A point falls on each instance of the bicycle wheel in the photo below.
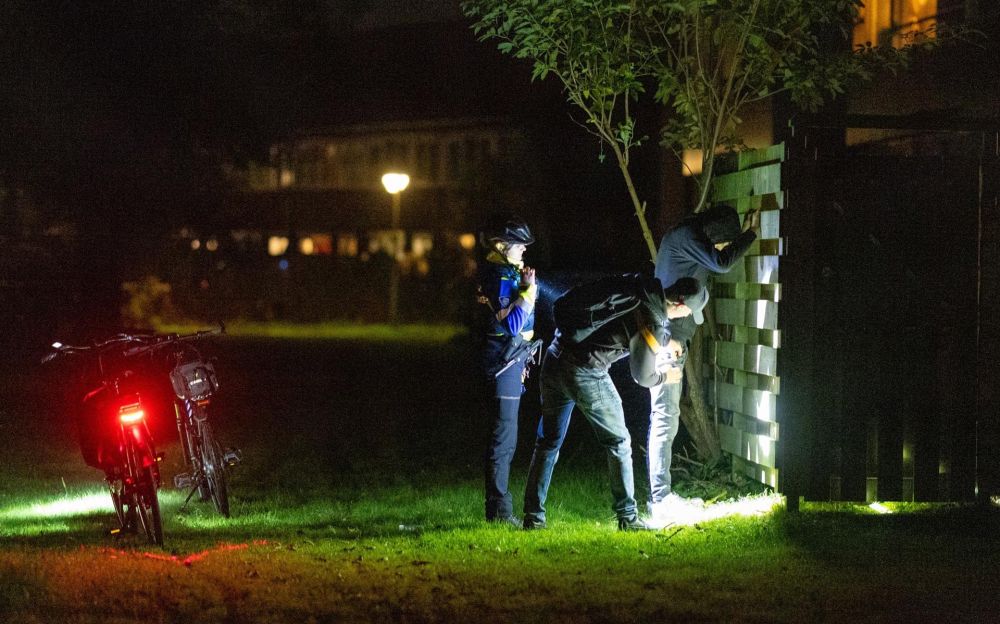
(140, 494)
(214, 468)
(147, 506)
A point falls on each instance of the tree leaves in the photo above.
(707, 58)
(588, 45)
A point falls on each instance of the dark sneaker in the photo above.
(507, 521)
(533, 524)
(632, 524)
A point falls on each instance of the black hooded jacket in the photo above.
(640, 333)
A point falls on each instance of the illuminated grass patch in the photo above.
(745, 506)
(376, 332)
(59, 507)
(35, 514)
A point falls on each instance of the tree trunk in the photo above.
(640, 207)
(697, 417)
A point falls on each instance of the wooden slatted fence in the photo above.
(744, 386)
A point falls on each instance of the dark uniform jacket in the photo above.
(507, 311)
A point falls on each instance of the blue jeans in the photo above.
(505, 400)
(664, 419)
(565, 385)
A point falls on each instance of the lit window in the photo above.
(212, 244)
(467, 241)
(244, 238)
(915, 11)
(277, 245)
(316, 244)
(421, 244)
(893, 21)
(692, 162)
(347, 245)
(195, 244)
(287, 178)
(391, 242)
(322, 244)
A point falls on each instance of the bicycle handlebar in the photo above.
(165, 339)
(150, 341)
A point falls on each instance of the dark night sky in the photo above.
(131, 110)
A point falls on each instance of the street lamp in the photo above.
(395, 184)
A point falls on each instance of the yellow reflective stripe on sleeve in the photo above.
(650, 340)
(647, 335)
(530, 293)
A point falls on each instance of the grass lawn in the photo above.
(417, 551)
(360, 500)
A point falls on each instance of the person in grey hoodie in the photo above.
(705, 243)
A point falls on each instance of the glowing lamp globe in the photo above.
(395, 182)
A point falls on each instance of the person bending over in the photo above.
(597, 325)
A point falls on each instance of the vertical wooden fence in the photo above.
(848, 355)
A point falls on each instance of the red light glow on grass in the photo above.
(188, 560)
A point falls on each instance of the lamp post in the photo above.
(395, 184)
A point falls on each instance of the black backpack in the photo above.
(586, 308)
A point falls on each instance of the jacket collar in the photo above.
(498, 258)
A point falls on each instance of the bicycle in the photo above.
(128, 454)
(194, 383)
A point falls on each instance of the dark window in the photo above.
(454, 166)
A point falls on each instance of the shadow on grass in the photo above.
(847, 536)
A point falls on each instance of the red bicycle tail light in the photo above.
(131, 414)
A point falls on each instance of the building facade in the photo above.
(318, 222)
